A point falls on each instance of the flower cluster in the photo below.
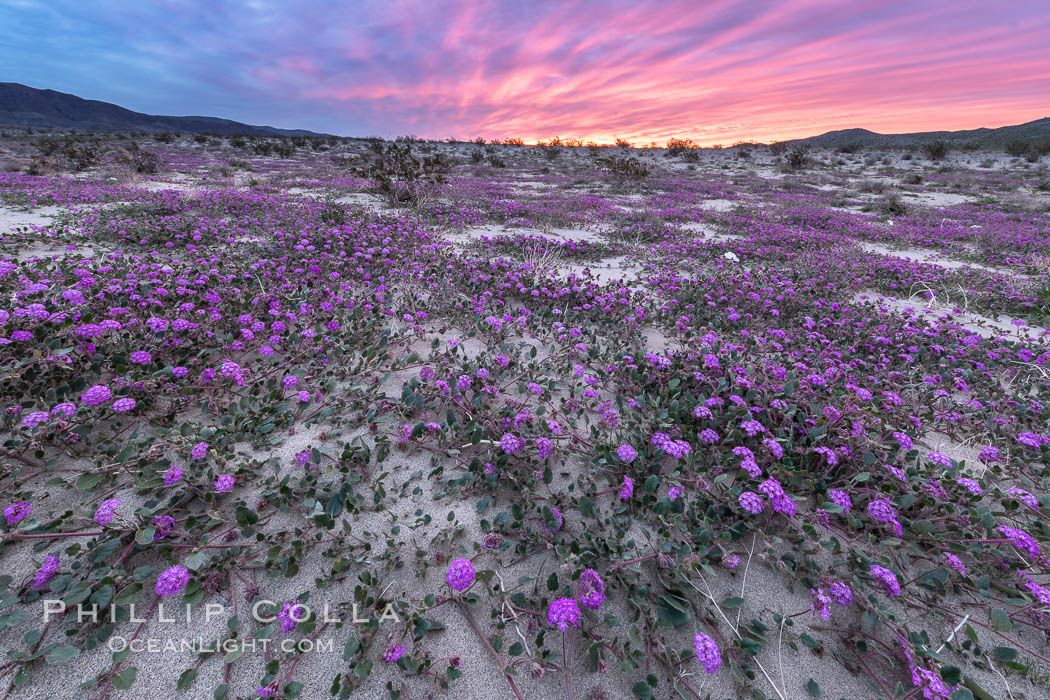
(460, 575)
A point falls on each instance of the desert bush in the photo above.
(284, 148)
(375, 144)
(676, 147)
(935, 150)
(892, 206)
(912, 179)
(81, 156)
(402, 177)
(262, 148)
(777, 148)
(477, 156)
(872, 186)
(798, 158)
(623, 170)
(623, 143)
(144, 162)
(497, 162)
(165, 137)
(1016, 148)
(850, 148)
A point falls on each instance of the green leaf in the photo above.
(128, 594)
(60, 655)
(1004, 654)
(246, 516)
(194, 561)
(750, 647)
(125, 679)
(145, 535)
(221, 692)
(234, 654)
(813, 688)
(673, 610)
(1000, 620)
(732, 603)
(86, 482)
(186, 679)
(363, 669)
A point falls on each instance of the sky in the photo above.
(715, 71)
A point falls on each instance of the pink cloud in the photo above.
(715, 71)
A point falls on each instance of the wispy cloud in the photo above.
(594, 69)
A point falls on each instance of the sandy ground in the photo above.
(789, 669)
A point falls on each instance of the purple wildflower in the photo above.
(460, 574)
(172, 581)
(707, 653)
(393, 653)
(955, 563)
(627, 489)
(162, 525)
(888, 580)
(841, 499)
(292, 613)
(106, 509)
(751, 502)
(17, 512)
(591, 589)
(564, 612)
(96, 395)
(1022, 540)
(558, 521)
(820, 603)
(45, 573)
(1024, 497)
(841, 593)
(123, 405)
(940, 459)
(511, 444)
(626, 453)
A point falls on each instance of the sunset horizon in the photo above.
(717, 74)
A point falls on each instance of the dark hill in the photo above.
(23, 106)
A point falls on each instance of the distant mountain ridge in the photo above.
(23, 106)
(1038, 130)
